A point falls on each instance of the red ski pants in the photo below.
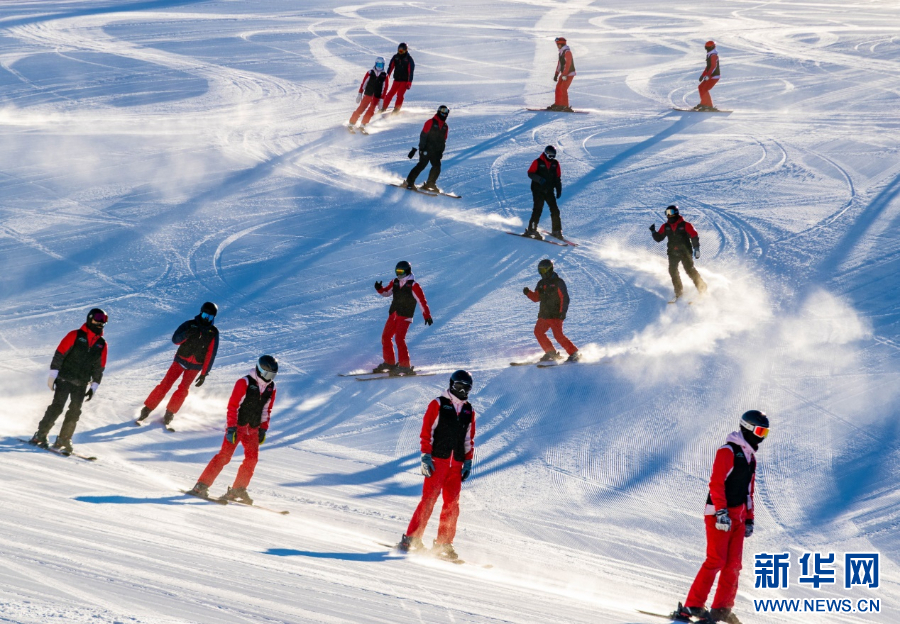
(556, 326)
(705, 86)
(562, 90)
(446, 481)
(369, 102)
(249, 437)
(398, 88)
(395, 328)
(724, 550)
(159, 392)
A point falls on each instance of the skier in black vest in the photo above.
(79, 360)
(402, 66)
(729, 519)
(198, 343)
(546, 178)
(448, 446)
(249, 411)
(371, 90)
(432, 141)
(682, 246)
(406, 293)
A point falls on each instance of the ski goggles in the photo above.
(400, 272)
(100, 319)
(443, 112)
(544, 270)
(379, 66)
(759, 432)
(206, 316)
(461, 386)
(265, 374)
(671, 212)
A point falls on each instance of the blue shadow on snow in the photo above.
(372, 557)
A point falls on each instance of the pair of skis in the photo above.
(169, 428)
(559, 242)
(424, 552)
(374, 376)
(223, 501)
(57, 451)
(424, 191)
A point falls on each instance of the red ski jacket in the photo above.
(80, 356)
(406, 293)
(449, 428)
(733, 480)
(565, 66)
(251, 402)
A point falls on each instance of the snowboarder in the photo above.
(448, 445)
(401, 68)
(552, 294)
(432, 141)
(708, 78)
(545, 177)
(198, 342)
(682, 246)
(729, 519)
(371, 91)
(249, 411)
(406, 293)
(79, 361)
(565, 72)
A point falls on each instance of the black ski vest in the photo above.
(551, 174)
(677, 239)
(403, 65)
(435, 140)
(561, 64)
(198, 342)
(82, 362)
(404, 303)
(375, 84)
(554, 297)
(449, 436)
(251, 410)
(737, 485)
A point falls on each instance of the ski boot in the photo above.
(402, 371)
(384, 367)
(566, 109)
(200, 490)
(430, 186)
(408, 543)
(396, 110)
(168, 418)
(238, 495)
(444, 551)
(551, 356)
(684, 614)
(362, 129)
(409, 186)
(39, 439)
(554, 107)
(575, 357)
(145, 412)
(722, 615)
(532, 232)
(63, 445)
(557, 234)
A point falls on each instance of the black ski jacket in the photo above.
(198, 343)
(553, 295)
(433, 138)
(403, 67)
(681, 235)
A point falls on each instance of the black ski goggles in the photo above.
(100, 319)
(443, 112)
(462, 387)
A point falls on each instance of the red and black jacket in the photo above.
(403, 67)
(712, 65)
(447, 432)
(80, 357)
(553, 295)
(251, 403)
(548, 171)
(433, 138)
(198, 343)
(374, 84)
(733, 480)
(681, 235)
(406, 293)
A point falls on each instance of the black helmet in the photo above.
(97, 317)
(208, 312)
(403, 268)
(545, 266)
(756, 423)
(550, 152)
(442, 112)
(460, 384)
(672, 211)
(266, 367)
(402, 46)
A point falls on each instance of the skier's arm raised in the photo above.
(658, 235)
(532, 294)
(385, 291)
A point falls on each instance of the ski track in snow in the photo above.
(161, 153)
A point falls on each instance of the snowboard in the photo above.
(565, 240)
(556, 242)
(419, 189)
(693, 110)
(58, 451)
(544, 110)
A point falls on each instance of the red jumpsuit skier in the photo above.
(406, 293)
(563, 76)
(249, 411)
(198, 343)
(448, 445)
(729, 519)
(552, 294)
(708, 78)
(401, 67)
(371, 90)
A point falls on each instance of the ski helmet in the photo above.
(402, 47)
(443, 112)
(710, 45)
(756, 423)
(267, 367)
(672, 211)
(460, 384)
(379, 63)
(403, 269)
(545, 266)
(208, 311)
(97, 317)
(550, 152)
(561, 40)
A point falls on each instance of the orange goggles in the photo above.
(760, 432)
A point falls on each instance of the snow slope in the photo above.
(159, 153)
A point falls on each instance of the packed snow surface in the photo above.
(160, 153)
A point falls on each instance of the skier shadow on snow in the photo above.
(113, 431)
(383, 474)
(494, 141)
(371, 557)
(131, 500)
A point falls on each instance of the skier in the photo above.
(371, 91)
(198, 342)
(553, 296)
(432, 141)
(249, 411)
(729, 519)
(565, 72)
(545, 177)
(79, 360)
(406, 293)
(683, 245)
(401, 67)
(448, 445)
(708, 78)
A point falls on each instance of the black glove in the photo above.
(748, 528)
(429, 321)
(526, 290)
(466, 469)
(231, 435)
(412, 152)
(89, 395)
(200, 381)
(555, 77)
(262, 435)
(653, 228)
(427, 465)
(723, 522)
(558, 193)
(697, 253)
(378, 286)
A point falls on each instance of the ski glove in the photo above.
(723, 522)
(200, 381)
(358, 98)
(90, 393)
(558, 193)
(51, 380)
(653, 228)
(429, 321)
(412, 152)
(555, 77)
(262, 435)
(466, 469)
(427, 465)
(526, 290)
(378, 286)
(563, 78)
(748, 528)
(696, 253)
(231, 435)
